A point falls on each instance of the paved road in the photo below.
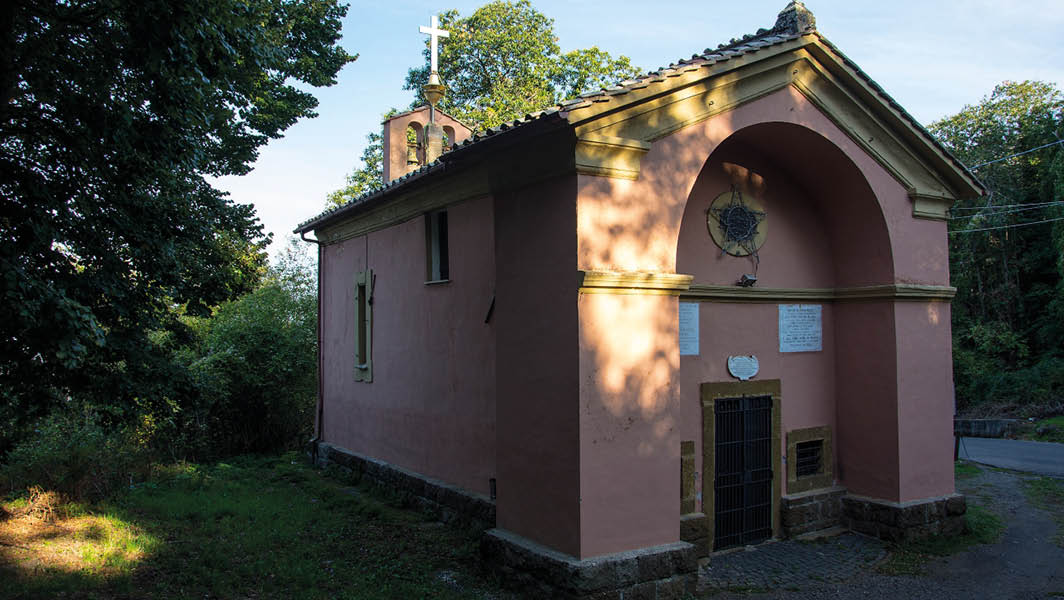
(1043, 458)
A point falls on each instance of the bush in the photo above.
(256, 371)
(72, 454)
(1035, 391)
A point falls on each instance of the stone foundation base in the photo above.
(448, 501)
(659, 573)
(811, 511)
(900, 521)
(694, 529)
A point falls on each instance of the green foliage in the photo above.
(253, 368)
(112, 115)
(499, 64)
(71, 453)
(503, 62)
(1007, 249)
(368, 177)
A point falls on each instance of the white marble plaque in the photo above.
(801, 328)
(688, 329)
(743, 367)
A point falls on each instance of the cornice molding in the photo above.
(928, 206)
(609, 156)
(632, 282)
(898, 292)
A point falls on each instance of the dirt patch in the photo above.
(30, 543)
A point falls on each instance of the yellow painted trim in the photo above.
(890, 292)
(826, 477)
(710, 393)
(609, 156)
(614, 282)
(927, 206)
(364, 304)
(817, 73)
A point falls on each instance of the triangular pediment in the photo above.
(615, 130)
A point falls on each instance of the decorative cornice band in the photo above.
(898, 292)
(928, 206)
(632, 282)
(609, 156)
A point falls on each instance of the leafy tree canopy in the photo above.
(112, 113)
(499, 64)
(1007, 248)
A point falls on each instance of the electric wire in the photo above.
(995, 228)
(997, 160)
(1009, 211)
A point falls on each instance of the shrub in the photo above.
(72, 454)
(256, 370)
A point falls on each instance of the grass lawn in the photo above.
(251, 527)
(982, 527)
(1055, 433)
(1047, 493)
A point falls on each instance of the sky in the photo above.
(932, 56)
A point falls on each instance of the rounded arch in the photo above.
(415, 145)
(823, 222)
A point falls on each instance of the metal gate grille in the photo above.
(743, 471)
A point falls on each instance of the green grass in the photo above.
(1048, 494)
(1055, 435)
(256, 528)
(965, 470)
(910, 558)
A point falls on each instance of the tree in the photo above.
(112, 113)
(1007, 249)
(499, 64)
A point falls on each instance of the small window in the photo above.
(363, 325)
(436, 244)
(809, 458)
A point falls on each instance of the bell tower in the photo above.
(418, 137)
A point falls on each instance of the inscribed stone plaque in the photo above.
(801, 328)
(743, 367)
(688, 328)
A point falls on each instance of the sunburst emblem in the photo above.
(733, 224)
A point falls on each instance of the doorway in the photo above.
(741, 461)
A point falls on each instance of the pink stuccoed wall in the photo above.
(431, 405)
(577, 402)
(629, 422)
(925, 399)
(538, 382)
(837, 219)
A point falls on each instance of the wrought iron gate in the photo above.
(743, 471)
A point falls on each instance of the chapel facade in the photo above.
(703, 308)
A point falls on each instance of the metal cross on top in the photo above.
(435, 33)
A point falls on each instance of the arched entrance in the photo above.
(820, 229)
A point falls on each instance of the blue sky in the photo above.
(933, 57)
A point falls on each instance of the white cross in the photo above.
(434, 33)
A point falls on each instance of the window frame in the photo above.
(363, 326)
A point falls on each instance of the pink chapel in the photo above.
(700, 309)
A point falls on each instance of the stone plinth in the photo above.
(663, 572)
(811, 511)
(900, 521)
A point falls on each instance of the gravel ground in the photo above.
(1023, 564)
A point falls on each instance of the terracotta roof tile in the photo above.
(794, 22)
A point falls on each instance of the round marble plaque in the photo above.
(743, 367)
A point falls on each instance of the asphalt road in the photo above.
(1043, 458)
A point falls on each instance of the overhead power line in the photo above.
(997, 211)
(1006, 226)
(997, 160)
